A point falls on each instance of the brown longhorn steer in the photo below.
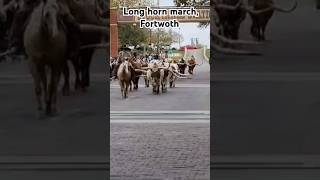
(191, 65)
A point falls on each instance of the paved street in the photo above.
(160, 151)
(268, 106)
(189, 94)
(162, 137)
(77, 134)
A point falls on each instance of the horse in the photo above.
(124, 75)
(45, 44)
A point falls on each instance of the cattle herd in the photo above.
(228, 16)
(45, 43)
(128, 69)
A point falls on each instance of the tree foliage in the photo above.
(130, 3)
(186, 3)
(132, 35)
(164, 37)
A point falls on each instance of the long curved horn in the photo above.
(224, 40)
(89, 46)
(295, 5)
(180, 77)
(140, 70)
(11, 4)
(145, 68)
(234, 51)
(235, 42)
(163, 67)
(252, 11)
(228, 7)
(273, 7)
(180, 73)
(93, 28)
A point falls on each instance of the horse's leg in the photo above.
(66, 85)
(126, 88)
(130, 84)
(121, 88)
(34, 68)
(44, 83)
(51, 108)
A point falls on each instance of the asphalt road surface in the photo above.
(163, 136)
(267, 107)
(189, 94)
(78, 134)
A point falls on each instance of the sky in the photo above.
(189, 30)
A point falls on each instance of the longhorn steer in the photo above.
(230, 16)
(182, 65)
(172, 76)
(135, 73)
(260, 13)
(164, 74)
(191, 65)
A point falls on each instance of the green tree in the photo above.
(192, 2)
(132, 35)
(164, 37)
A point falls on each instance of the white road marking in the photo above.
(267, 76)
(160, 116)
